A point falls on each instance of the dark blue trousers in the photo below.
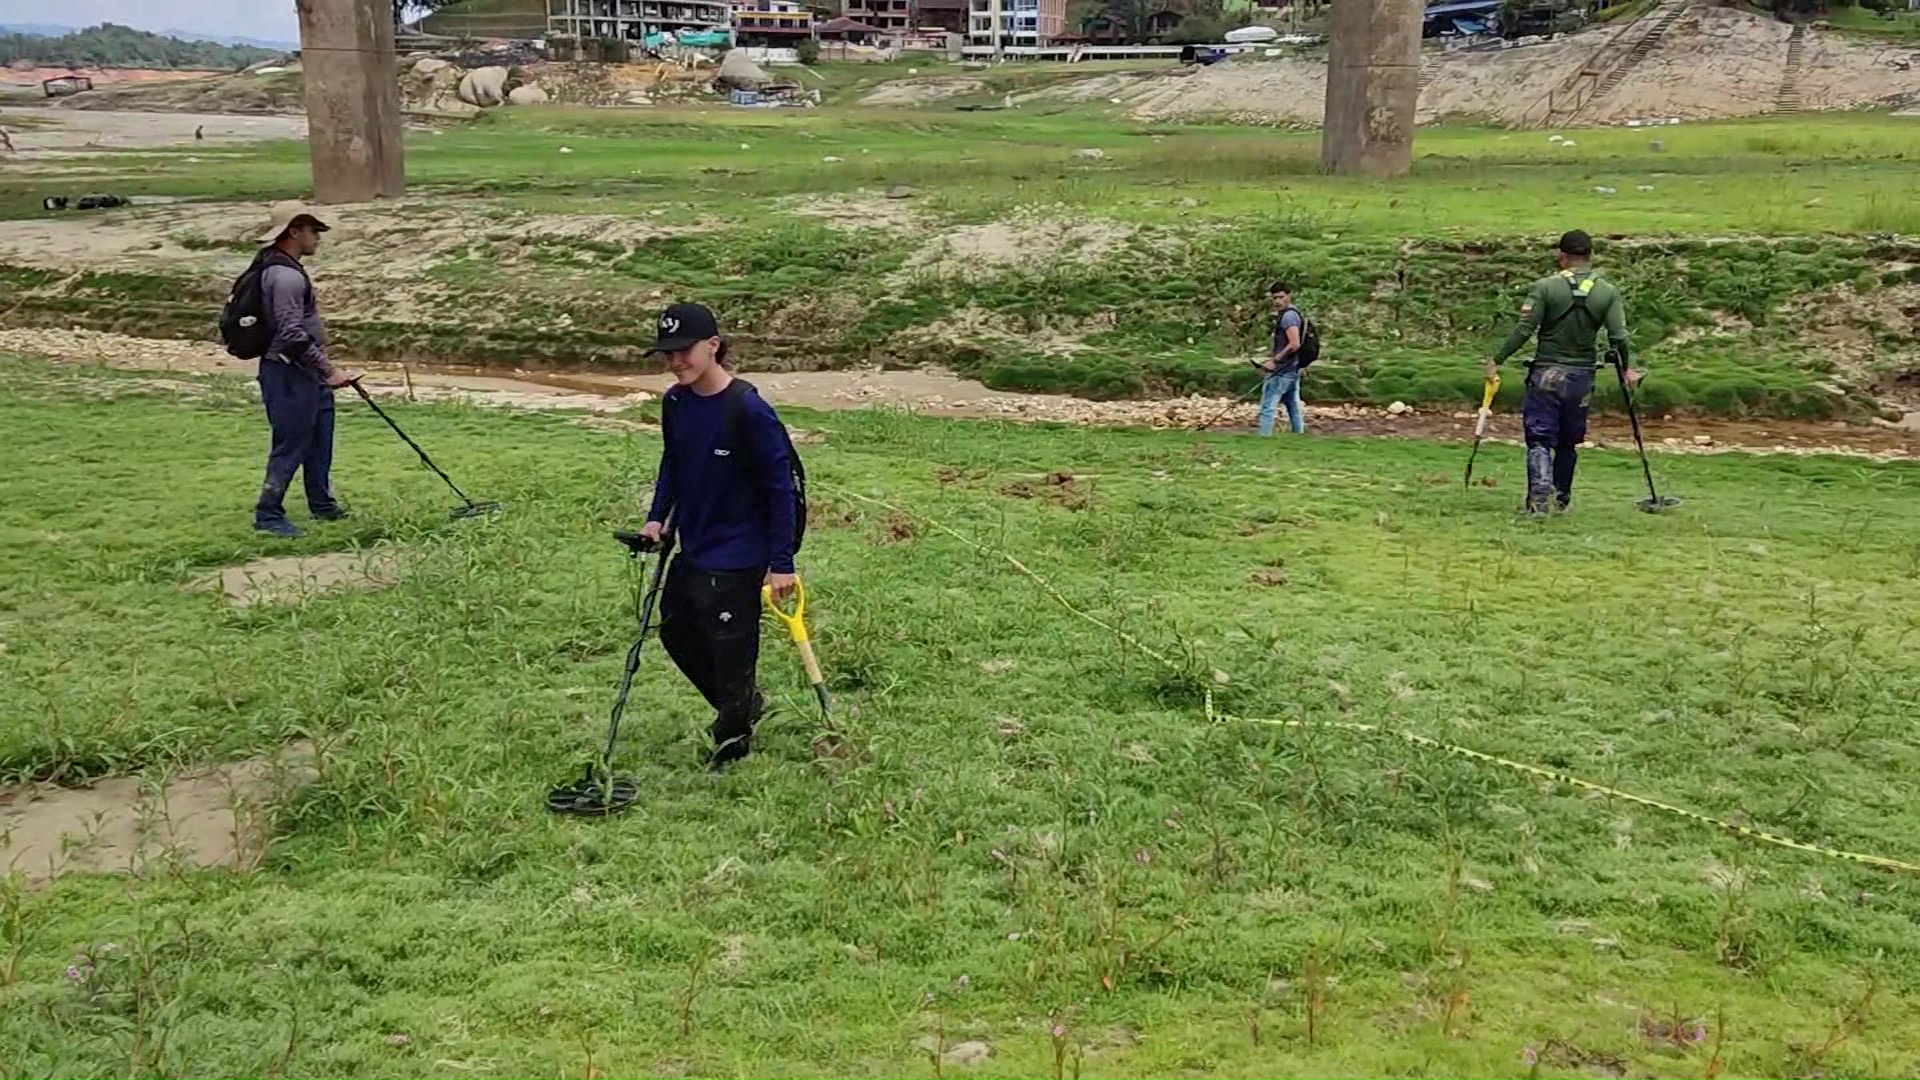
(300, 414)
(1554, 414)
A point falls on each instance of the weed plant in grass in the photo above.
(1028, 835)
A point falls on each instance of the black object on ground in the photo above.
(600, 791)
(471, 509)
(56, 203)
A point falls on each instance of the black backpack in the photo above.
(246, 327)
(736, 394)
(1309, 349)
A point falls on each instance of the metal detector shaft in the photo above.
(382, 413)
(1633, 418)
(1235, 403)
(663, 549)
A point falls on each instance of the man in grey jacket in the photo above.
(296, 378)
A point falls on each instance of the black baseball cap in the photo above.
(1576, 243)
(682, 326)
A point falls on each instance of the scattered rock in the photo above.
(1399, 408)
(901, 191)
(831, 160)
(1269, 576)
(1703, 440)
(429, 66)
(1603, 190)
(527, 95)
(1091, 154)
(484, 87)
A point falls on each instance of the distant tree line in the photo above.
(110, 45)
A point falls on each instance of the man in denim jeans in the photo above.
(1283, 371)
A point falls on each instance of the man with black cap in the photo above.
(296, 378)
(726, 480)
(1567, 310)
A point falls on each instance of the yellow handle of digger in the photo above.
(796, 624)
(1486, 410)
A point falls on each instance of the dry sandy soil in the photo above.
(1713, 62)
(216, 816)
(75, 129)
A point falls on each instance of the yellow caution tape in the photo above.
(1409, 737)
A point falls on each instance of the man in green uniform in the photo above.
(1567, 310)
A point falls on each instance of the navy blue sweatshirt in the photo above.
(732, 506)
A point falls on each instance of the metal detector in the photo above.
(1655, 502)
(600, 792)
(1235, 403)
(471, 509)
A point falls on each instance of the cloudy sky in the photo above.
(267, 19)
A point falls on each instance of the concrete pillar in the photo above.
(353, 99)
(1373, 87)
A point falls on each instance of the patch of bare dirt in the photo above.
(858, 213)
(910, 92)
(216, 816)
(1873, 338)
(978, 326)
(77, 129)
(972, 250)
(291, 579)
(373, 258)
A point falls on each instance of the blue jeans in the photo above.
(1282, 386)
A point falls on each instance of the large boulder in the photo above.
(484, 87)
(739, 72)
(527, 95)
(429, 66)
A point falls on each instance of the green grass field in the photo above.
(1148, 263)
(1031, 836)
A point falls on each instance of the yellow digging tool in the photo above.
(796, 624)
(1480, 425)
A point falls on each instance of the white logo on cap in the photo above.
(668, 324)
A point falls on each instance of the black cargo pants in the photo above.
(710, 625)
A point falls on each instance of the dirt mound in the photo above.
(1713, 62)
(214, 816)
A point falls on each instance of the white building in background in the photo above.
(1023, 23)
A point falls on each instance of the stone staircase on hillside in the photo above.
(1787, 98)
(1605, 67)
(1642, 49)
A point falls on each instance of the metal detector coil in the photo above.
(471, 509)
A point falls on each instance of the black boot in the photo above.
(733, 731)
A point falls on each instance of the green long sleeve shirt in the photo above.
(1568, 310)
